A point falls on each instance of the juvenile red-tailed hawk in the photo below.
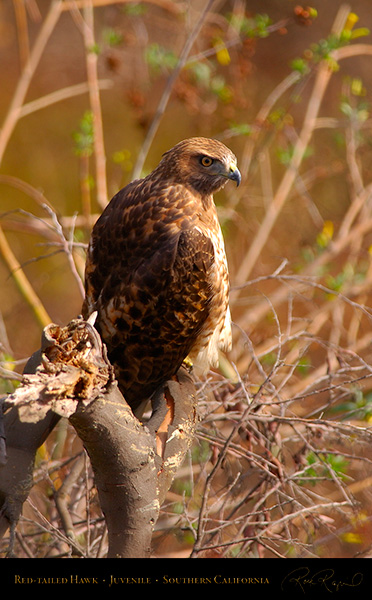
(156, 270)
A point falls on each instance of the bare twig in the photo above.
(15, 108)
(322, 79)
(67, 246)
(22, 282)
(168, 90)
(95, 103)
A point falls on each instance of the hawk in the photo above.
(156, 270)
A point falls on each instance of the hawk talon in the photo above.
(187, 363)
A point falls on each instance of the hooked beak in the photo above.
(234, 174)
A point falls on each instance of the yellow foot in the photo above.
(188, 363)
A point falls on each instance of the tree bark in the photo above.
(134, 463)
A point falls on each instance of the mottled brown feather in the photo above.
(156, 270)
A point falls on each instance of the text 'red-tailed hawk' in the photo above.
(156, 269)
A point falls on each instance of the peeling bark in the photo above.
(134, 463)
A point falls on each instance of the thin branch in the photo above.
(322, 79)
(22, 30)
(15, 108)
(22, 283)
(67, 247)
(60, 95)
(168, 90)
(95, 103)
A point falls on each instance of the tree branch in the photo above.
(134, 463)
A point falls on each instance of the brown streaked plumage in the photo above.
(156, 269)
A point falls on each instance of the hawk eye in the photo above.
(206, 161)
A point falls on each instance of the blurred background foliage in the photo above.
(287, 88)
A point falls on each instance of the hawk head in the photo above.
(202, 163)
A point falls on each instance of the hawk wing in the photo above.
(149, 274)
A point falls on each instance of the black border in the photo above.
(303, 577)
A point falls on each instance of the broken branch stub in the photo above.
(73, 368)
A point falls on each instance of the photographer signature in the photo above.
(304, 580)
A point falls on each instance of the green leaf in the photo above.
(159, 58)
(84, 137)
(112, 37)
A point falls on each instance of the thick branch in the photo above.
(125, 464)
(22, 442)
